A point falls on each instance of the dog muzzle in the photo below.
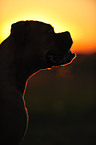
(63, 55)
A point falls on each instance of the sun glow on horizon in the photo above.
(77, 17)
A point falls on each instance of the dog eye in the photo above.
(50, 31)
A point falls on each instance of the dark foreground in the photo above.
(62, 105)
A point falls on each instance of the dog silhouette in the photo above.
(30, 47)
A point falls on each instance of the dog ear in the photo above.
(18, 32)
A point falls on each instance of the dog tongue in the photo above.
(68, 57)
(58, 60)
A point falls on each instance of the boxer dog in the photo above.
(30, 47)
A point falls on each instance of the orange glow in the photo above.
(76, 16)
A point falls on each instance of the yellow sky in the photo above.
(76, 16)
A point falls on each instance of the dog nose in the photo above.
(66, 33)
(64, 36)
(67, 37)
(64, 41)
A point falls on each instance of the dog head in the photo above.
(39, 46)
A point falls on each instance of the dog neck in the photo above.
(8, 90)
(12, 77)
(8, 80)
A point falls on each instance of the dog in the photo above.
(30, 47)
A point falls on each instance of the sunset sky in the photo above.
(76, 16)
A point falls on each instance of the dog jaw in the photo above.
(54, 60)
(62, 54)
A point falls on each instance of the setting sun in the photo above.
(77, 17)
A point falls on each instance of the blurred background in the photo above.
(62, 101)
(62, 104)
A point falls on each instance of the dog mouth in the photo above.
(55, 60)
